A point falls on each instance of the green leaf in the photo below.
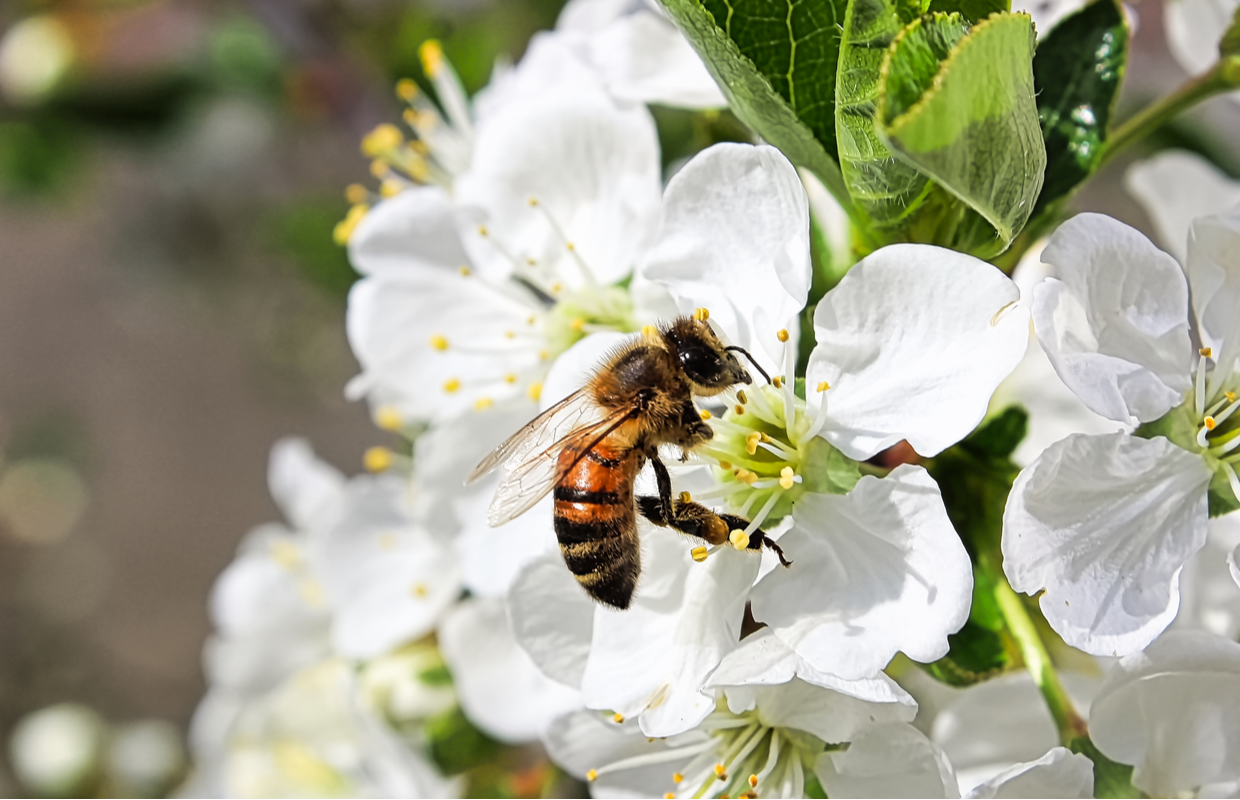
(1111, 778)
(1229, 45)
(972, 10)
(974, 126)
(775, 62)
(887, 191)
(976, 653)
(1077, 71)
(1000, 436)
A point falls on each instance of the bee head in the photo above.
(708, 365)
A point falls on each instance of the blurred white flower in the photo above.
(35, 53)
(1059, 773)
(638, 53)
(1173, 711)
(1193, 31)
(58, 751)
(1176, 187)
(1105, 523)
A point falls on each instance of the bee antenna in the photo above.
(756, 366)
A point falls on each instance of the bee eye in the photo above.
(702, 366)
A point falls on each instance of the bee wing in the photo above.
(528, 481)
(540, 433)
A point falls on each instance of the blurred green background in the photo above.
(171, 301)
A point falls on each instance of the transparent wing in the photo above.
(528, 481)
(573, 412)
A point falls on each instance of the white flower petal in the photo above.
(1059, 773)
(875, 572)
(1233, 564)
(492, 558)
(653, 659)
(500, 688)
(387, 579)
(1104, 524)
(1214, 278)
(306, 489)
(830, 714)
(735, 240)
(1173, 711)
(592, 170)
(258, 591)
(414, 229)
(1208, 597)
(577, 364)
(552, 618)
(893, 760)
(589, 740)
(1114, 320)
(913, 342)
(1193, 31)
(1175, 187)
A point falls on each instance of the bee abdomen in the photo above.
(606, 568)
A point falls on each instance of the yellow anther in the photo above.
(751, 442)
(1209, 421)
(431, 54)
(531, 261)
(777, 382)
(725, 465)
(531, 319)
(465, 271)
(388, 418)
(410, 117)
(533, 202)
(701, 314)
(740, 395)
(543, 355)
(344, 229)
(699, 553)
(406, 89)
(439, 342)
(535, 391)
(1231, 396)
(483, 403)
(677, 777)
(669, 796)
(452, 385)
(391, 187)
(285, 553)
(787, 478)
(510, 334)
(753, 781)
(721, 772)
(685, 497)
(592, 775)
(556, 288)
(649, 331)
(510, 378)
(380, 169)
(618, 718)
(783, 335)
(738, 539)
(355, 193)
(1205, 351)
(418, 146)
(420, 590)
(738, 409)
(745, 476)
(577, 324)
(823, 386)
(705, 414)
(387, 542)
(383, 139)
(482, 230)
(377, 459)
(569, 246)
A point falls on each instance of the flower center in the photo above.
(740, 756)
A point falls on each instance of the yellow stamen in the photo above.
(720, 772)
(570, 246)
(482, 230)
(1209, 421)
(285, 553)
(377, 459)
(669, 796)
(739, 409)
(439, 342)
(677, 777)
(483, 403)
(777, 382)
(535, 391)
(556, 288)
(701, 314)
(725, 465)
(699, 553)
(355, 193)
(745, 476)
(618, 718)
(685, 497)
(383, 139)
(510, 334)
(751, 442)
(753, 781)
(705, 414)
(387, 542)
(388, 418)
(510, 378)
(787, 478)
(379, 169)
(577, 324)
(740, 395)
(738, 539)
(1231, 396)
(410, 117)
(391, 187)
(531, 261)
(823, 386)
(406, 89)
(344, 229)
(543, 355)
(592, 775)
(533, 202)
(783, 335)
(431, 54)
(531, 319)
(1205, 351)
(420, 590)
(452, 385)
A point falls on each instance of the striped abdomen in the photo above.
(596, 522)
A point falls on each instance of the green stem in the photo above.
(1068, 722)
(1146, 121)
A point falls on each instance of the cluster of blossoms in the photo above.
(518, 237)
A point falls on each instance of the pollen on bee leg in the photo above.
(377, 459)
(787, 477)
(685, 497)
(739, 540)
(699, 553)
(439, 342)
(701, 314)
(618, 718)
(783, 335)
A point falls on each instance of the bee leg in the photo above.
(665, 488)
(689, 518)
(758, 539)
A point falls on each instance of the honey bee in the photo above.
(590, 447)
